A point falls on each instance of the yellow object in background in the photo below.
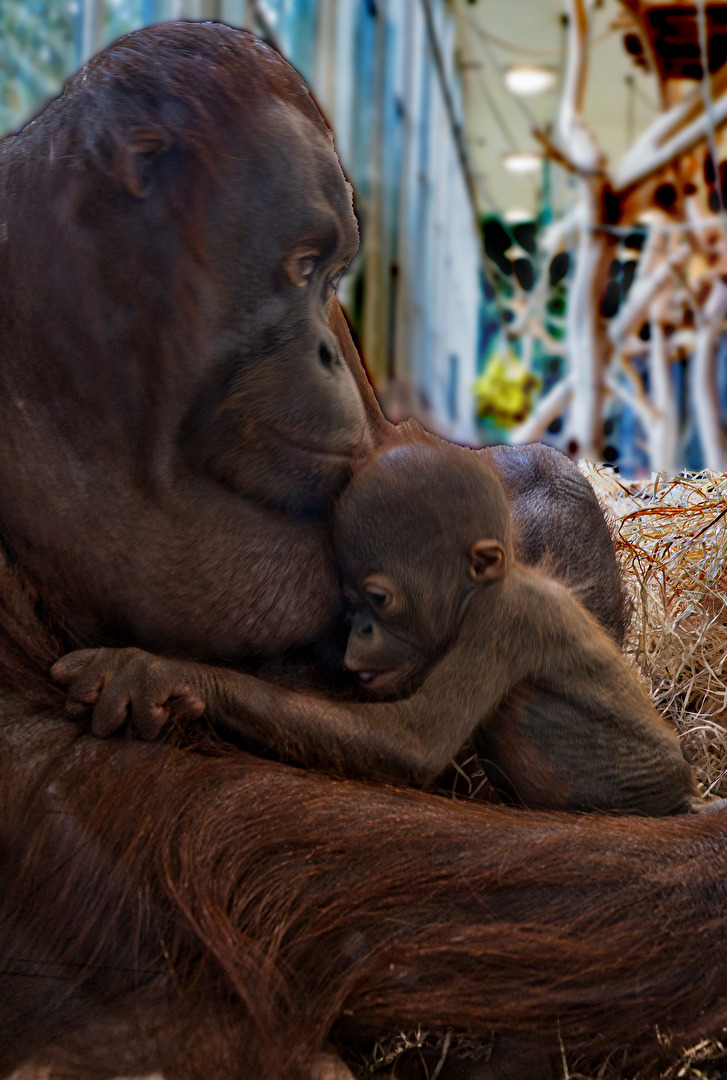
(505, 389)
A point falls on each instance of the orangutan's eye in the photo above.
(306, 267)
(301, 265)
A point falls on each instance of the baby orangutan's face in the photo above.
(384, 648)
(403, 621)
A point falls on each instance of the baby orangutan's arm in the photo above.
(411, 740)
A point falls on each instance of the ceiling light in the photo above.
(522, 161)
(529, 79)
(518, 215)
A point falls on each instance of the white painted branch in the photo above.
(583, 347)
(579, 145)
(548, 409)
(642, 292)
(703, 380)
(636, 401)
(710, 232)
(666, 140)
(555, 235)
(576, 71)
(683, 340)
(663, 431)
(555, 239)
(620, 326)
(584, 341)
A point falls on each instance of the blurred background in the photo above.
(541, 190)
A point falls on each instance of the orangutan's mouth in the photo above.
(342, 458)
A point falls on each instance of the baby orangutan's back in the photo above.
(580, 733)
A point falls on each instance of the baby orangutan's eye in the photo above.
(378, 599)
(380, 596)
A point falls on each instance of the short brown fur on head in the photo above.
(404, 495)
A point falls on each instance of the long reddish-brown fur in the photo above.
(212, 908)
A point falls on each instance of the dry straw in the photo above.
(671, 537)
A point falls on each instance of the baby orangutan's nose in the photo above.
(356, 658)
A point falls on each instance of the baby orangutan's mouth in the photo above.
(374, 679)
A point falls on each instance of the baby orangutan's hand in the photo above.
(131, 685)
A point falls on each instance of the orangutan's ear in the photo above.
(135, 159)
(487, 561)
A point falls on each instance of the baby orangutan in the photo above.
(453, 639)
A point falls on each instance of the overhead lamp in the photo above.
(528, 79)
(522, 161)
(518, 215)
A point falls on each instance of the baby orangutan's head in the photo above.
(422, 525)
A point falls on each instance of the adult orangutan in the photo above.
(179, 402)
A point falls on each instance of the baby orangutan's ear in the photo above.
(487, 561)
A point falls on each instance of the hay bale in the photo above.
(671, 537)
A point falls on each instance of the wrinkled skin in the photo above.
(278, 416)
